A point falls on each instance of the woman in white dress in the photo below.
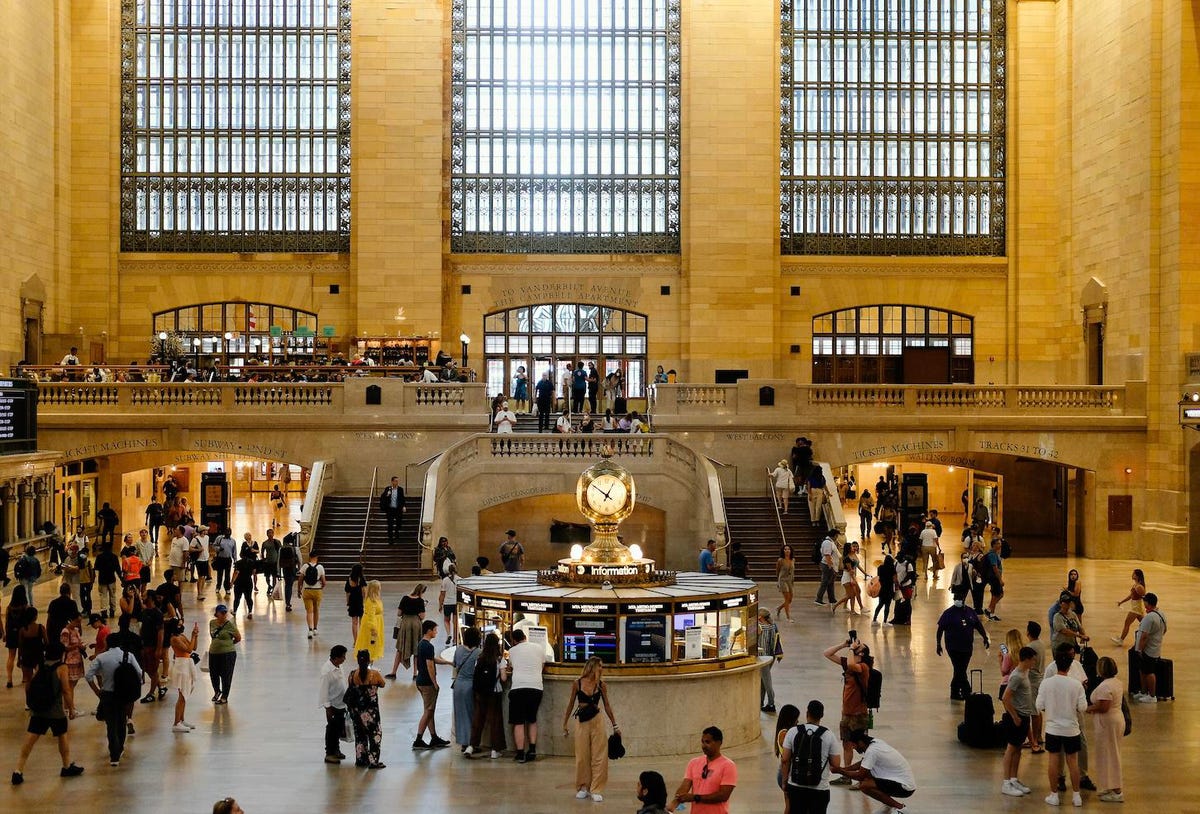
(784, 483)
(184, 672)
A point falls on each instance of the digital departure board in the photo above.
(18, 416)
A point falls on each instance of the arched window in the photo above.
(235, 126)
(257, 330)
(893, 344)
(893, 127)
(565, 126)
(548, 337)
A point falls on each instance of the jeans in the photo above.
(960, 683)
(114, 723)
(335, 727)
(289, 582)
(766, 687)
(864, 525)
(223, 566)
(85, 598)
(826, 588)
(29, 583)
(220, 672)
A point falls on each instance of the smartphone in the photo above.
(1004, 650)
(853, 635)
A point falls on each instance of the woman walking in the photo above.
(785, 580)
(410, 613)
(222, 652)
(1136, 608)
(1009, 657)
(184, 672)
(866, 509)
(448, 599)
(370, 633)
(889, 581)
(243, 582)
(13, 616)
(466, 656)
(72, 644)
(591, 738)
(768, 638)
(489, 695)
(355, 587)
(1109, 728)
(850, 571)
(784, 483)
(363, 705)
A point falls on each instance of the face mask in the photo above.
(958, 603)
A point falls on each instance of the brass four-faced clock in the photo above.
(605, 492)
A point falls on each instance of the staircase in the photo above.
(752, 523)
(339, 535)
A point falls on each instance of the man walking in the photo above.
(809, 749)
(1061, 699)
(882, 774)
(427, 685)
(527, 660)
(391, 503)
(856, 674)
(101, 676)
(28, 570)
(828, 568)
(957, 627)
(544, 397)
(224, 551)
(1149, 648)
(108, 522)
(313, 578)
(333, 688)
(50, 708)
(709, 779)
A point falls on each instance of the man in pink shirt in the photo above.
(709, 779)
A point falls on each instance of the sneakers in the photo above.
(1017, 784)
(519, 757)
(769, 709)
(597, 798)
(1086, 784)
(180, 728)
(1142, 698)
(70, 771)
(1116, 640)
(116, 764)
(495, 755)
(438, 743)
(420, 743)
(581, 794)
(1008, 788)
(1076, 799)
(470, 750)
(310, 633)
(149, 698)
(1052, 799)
(818, 602)
(1112, 797)
(189, 726)
(531, 753)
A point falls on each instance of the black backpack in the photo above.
(873, 692)
(40, 695)
(127, 681)
(21, 570)
(816, 551)
(485, 675)
(808, 757)
(311, 575)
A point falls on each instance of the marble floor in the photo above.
(265, 747)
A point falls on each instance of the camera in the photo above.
(853, 635)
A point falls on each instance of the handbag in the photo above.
(351, 697)
(1127, 715)
(347, 731)
(873, 587)
(616, 750)
(778, 651)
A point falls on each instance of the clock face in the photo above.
(606, 495)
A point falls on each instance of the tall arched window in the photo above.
(235, 125)
(893, 127)
(893, 344)
(255, 330)
(550, 336)
(565, 126)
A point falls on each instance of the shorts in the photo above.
(850, 723)
(996, 588)
(202, 569)
(150, 657)
(1148, 665)
(1070, 744)
(448, 610)
(523, 706)
(1014, 733)
(892, 788)
(39, 725)
(312, 598)
(429, 696)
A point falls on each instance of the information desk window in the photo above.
(723, 634)
(587, 636)
(644, 639)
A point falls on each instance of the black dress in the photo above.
(354, 599)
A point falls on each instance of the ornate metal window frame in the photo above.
(863, 344)
(224, 201)
(831, 106)
(549, 204)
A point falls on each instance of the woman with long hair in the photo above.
(1136, 609)
(72, 643)
(1009, 657)
(588, 694)
(789, 719)
(851, 568)
(407, 632)
(785, 580)
(488, 696)
(31, 643)
(354, 588)
(17, 603)
(466, 656)
(889, 582)
(1074, 587)
(364, 713)
(1109, 723)
(369, 636)
(184, 672)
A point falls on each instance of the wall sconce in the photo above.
(466, 341)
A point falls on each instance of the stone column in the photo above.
(8, 500)
(25, 508)
(43, 508)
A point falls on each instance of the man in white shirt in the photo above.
(828, 567)
(883, 774)
(71, 358)
(329, 696)
(806, 798)
(178, 553)
(506, 420)
(527, 661)
(1061, 699)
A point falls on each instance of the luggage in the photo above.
(978, 728)
(1090, 663)
(621, 407)
(902, 612)
(1164, 676)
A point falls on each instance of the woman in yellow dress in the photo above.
(370, 631)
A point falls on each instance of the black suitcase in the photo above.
(979, 717)
(1133, 678)
(1164, 676)
(621, 407)
(902, 612)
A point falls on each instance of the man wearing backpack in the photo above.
(51, 704)
(810, 752)
(116, 678)
(313, 577)
(28, 571)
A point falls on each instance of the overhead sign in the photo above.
(18, 416)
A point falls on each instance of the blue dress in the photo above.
(521, 388)
(464, 692)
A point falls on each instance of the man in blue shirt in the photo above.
(957, 626)
(708, 564)
(544, 396)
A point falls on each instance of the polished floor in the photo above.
(265, 747)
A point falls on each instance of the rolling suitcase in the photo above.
(978, 728)
(621, 406)
(902, 612)
(1164, 676)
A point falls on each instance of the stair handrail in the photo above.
(362, 547)
(832, 512)
(425, 462)
(725, 467)
(775, 503)
(314, 497)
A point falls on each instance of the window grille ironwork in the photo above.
(235, 125)
(866, 344)
(565, 126)
(893, 127)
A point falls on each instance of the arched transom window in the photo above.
(893, 344)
